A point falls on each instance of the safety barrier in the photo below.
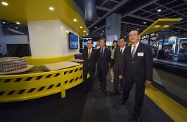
(34, 85)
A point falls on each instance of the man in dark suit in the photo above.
(104, 56)
(90, 58)
(117, 59)
(136, 67)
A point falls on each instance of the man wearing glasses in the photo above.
(136, 67)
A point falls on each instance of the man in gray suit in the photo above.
(119, 51)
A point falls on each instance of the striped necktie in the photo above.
(133, 51)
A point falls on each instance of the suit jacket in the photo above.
(117, 57)
(140, 67)
(91, 61)
(103, 60)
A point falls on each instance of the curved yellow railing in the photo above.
(34, 85)
(37, 61)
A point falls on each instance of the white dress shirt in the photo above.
(122, 49)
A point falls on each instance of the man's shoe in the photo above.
(116, 93)
(137, 118)
(121, 102)
(104, 91)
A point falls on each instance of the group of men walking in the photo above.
(132, 65)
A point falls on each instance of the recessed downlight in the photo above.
(75, 20)
(80, 26)
(159, 10)
(51, 8)
(4, 3)
(18, 23)
(84, 31)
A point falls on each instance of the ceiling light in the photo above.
(178, 30)
(159, 10)
(85, 31)
(157, 26)
(103, 31)
(3, 22)
(83, 35)
(75, 20)
(144, 22)
(96, 27)
(80, 26)
(4, 3)
(166, 26)
(137, 29)
(51, 8)
(87, 34)
(101, 34)
(17, 23)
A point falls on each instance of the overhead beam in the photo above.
(98, 28)
(109, 12)
(114, 1)
(139, 17)
(103, 2)
(133, 24)
(102, 8)
(169, 9)
(140, 7)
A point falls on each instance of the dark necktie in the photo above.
(133, 51)
(102, 51)
(121, 51)
(89, 53)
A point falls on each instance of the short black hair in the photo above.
(90, 40)
(184, 44)
(170, 45)
(134, 30)
(122, 38)
(102, 39)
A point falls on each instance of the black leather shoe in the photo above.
(104, 91)
(137, 118)
(121, 102)
(99, 88)
(116, 93)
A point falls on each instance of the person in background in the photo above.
(184, 49)
(119, 51)
(169, 52)
(103, 61)
(89, 64)
(136, 68)
(97, 45)
(183, 53)
(1, 52)
(162, 53)
(114, 46)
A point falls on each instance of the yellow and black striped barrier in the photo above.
(34, 85)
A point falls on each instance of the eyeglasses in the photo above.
(133, 35)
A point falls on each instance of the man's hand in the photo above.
(120, 76)
(147, 83)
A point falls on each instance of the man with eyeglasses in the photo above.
(136, 68)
